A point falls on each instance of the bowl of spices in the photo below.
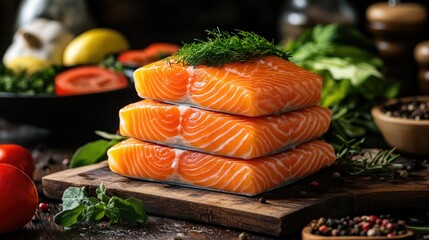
(359, 227)
(404, 124)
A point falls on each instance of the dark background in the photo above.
(144, 21)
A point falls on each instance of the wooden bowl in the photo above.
(406, 135)
(306, 235)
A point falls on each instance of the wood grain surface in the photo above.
(284, 212)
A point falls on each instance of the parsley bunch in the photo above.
(78, 207)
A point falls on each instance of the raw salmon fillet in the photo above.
(221, 133)
(148, 161)
(257, 87)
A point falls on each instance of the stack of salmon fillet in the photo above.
(242, 128)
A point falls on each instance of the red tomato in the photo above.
(18, 196)
(17, 156)
(151, 53)
(88, 79)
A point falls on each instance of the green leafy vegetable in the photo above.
(78, 207)
(39, 82)
(353, 80)
(95, 151)
(222, 47)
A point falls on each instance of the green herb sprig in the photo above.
(223, 47)
(356, 160)
(78, 207)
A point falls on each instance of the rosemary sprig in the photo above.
(223, 47)
(358, 161)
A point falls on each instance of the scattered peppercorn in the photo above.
(242, 236)
(372, 225)
(303, 194)
(336, 175)
(43, 207)
(66, 161)
(314, 184)
(403, 173)
(262, 200)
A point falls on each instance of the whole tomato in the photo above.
(17, 156)
(18, 196)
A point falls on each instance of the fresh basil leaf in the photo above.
(78, 207)
(73, 197)
(67, 218)
(101, 193)
(113, 214)
(93, 200)
(139, 212)
(130, 210)
(91, 153)
(99, 211)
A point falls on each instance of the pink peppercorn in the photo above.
(43, 207)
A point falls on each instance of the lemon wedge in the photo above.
(93, 45)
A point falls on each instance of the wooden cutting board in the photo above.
(285, 212)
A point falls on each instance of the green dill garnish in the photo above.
(222, 47)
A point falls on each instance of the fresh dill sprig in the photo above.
(223, 47)
(358, 161)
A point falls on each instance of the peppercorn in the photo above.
(242, 236)
(303, 194)
(43, 207)
(314, 184)
(366, 225)
(403, 173)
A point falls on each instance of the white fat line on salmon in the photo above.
(175, 163)
(235, 71)
(182, 110)
(190, 70)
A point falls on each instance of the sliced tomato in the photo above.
(151, 53)
(88, 79)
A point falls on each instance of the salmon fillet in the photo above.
(148, 161)
(257, 87)
(221, 133)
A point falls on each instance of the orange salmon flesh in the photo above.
(220, 133)
(148, 161)
(257, 87)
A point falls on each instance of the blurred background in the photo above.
(143, 22)
(146, 22)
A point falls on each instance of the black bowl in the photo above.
(86, 112)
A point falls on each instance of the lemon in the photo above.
(93, 45)
(27, 63)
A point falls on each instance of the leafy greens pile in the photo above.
(21, 82)
(353, 81)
